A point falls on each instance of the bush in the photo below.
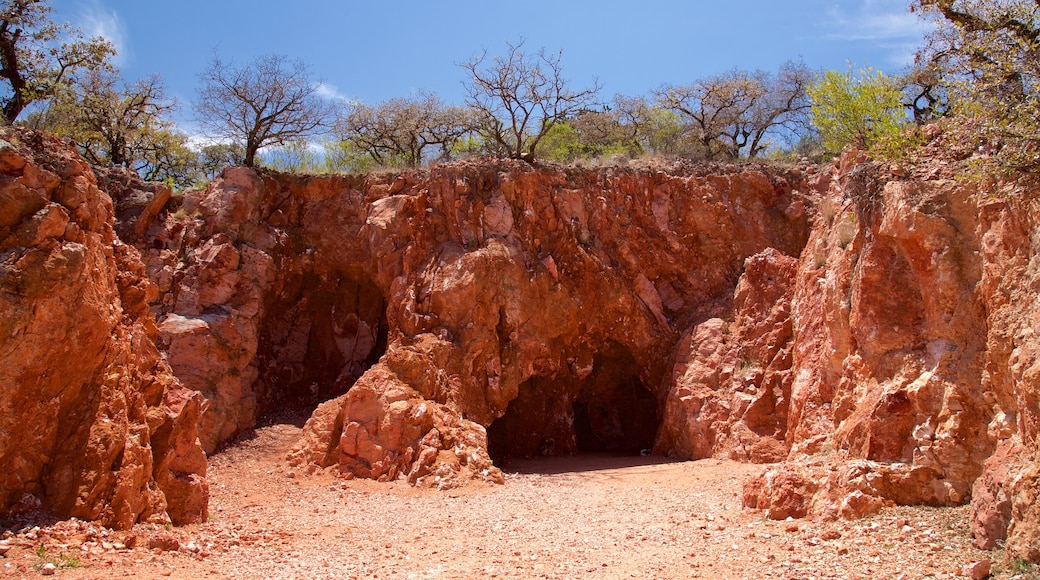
(862, 109)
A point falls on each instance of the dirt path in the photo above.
(581, 517)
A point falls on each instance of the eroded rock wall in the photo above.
(92, 422)
(873, 331)
(913, 363)
(429, 305)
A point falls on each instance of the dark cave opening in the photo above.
(321, 334)
(609, 411)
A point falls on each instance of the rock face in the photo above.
(914, 365)
(92, 424)
(477, 307)
(873, 331)
(869, 333)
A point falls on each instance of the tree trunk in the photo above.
(250, 157)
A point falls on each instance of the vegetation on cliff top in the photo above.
(977, 69)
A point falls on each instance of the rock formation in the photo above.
(870, 330)
(870, 333)
(914, 366)
(92, 424)
(475, 307)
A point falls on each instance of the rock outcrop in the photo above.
(475, 307)
(913, 358)
(868, 333)
(92, 422)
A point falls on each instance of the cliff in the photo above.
(442, 314)
(867, 332)
(92, 424)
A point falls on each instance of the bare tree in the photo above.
(518, 98)
(400, 131)
(270, 101)
(38, 56)
(734, 112)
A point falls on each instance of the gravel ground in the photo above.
(590, 516)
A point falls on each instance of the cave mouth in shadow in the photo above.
(321, 334)
(609, 413)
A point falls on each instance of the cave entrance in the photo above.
(610, 411)
(322, 333)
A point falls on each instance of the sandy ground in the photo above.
(590, 516)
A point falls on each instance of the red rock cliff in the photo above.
(912, 375)
(473, 307)
(872, 331)
(92, 422)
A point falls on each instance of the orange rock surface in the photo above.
(869, 335)
(92, 423)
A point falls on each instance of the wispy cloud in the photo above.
(96, 19)
(331, 93)
(886, 23)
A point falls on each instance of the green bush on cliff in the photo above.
(862, 109)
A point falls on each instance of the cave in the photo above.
(323, 331)
(609, 411)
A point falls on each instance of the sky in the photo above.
(375, 50)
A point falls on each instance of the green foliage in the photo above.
(590, 135)
(119, 123)
(862, 109)
(988, 52)
(40, 57)
(662, 133)
(62, 561)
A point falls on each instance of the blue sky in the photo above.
(379, 49)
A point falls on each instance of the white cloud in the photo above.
(886, 23)
(330, 93)
(96, 19)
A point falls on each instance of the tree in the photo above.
(989, 54)
(925, 93)
(115, 123)
(38, 57)
(269, 101)
(734, 112)
(589, 134)
(518, 98)
(860, 110)
(399, 131)
(658, 130)
(215, 157)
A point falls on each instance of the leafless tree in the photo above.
(518, 98)
(400, 131)
(734, 112)
(270, 101)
